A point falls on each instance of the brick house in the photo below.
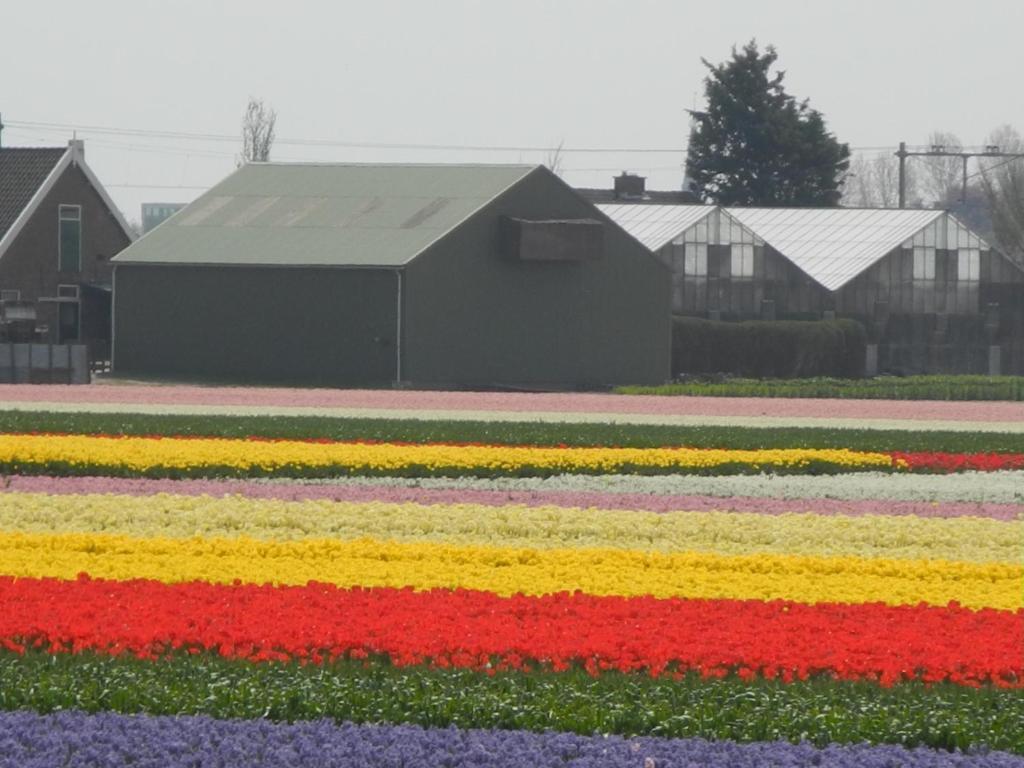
(58, 230)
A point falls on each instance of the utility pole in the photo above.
(902, 155)
(937, 150)
(963, 183)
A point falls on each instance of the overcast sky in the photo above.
(593, 74)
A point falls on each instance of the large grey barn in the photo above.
(372, 275)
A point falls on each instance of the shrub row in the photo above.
(818, 711)
(508, 433)
(769, 349)
(882, 388)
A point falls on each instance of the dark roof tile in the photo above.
(22, 171)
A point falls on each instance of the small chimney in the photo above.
(629, 186)
(77, 147)
(1, 131)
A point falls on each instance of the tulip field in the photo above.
(226, 576)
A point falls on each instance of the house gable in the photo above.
(31, 261)
(472, 307)
(26, 174)
(27, 177)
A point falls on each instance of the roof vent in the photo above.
(629, 186)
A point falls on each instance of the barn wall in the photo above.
(310, 326)
(476, 316)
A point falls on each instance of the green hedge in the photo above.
(931, 387)
(769, 349)
(510, 433)
(822, 711)
(413, 471)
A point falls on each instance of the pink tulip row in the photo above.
(518, 402)
(369, 491)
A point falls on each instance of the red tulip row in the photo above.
(959, 462)
(480, 630)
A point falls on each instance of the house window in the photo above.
(70, 238)
(742, 259)
(968, 264)
(695, 262)
(924, 263)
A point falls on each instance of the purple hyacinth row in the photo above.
(30, 740)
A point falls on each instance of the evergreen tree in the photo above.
(754, 144)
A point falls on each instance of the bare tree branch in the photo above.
(554, 159)
(1003, 182)
(873, 182)
(257, 132)
(940, 178)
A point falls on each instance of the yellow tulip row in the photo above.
(971, 539)
(148, 454)
(508, 570)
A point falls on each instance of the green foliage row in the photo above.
(769, 349)
(508, 433)
(325, 471)
(936, 387)
(821, 711)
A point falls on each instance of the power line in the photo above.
(984, 170)
(159, 186)
(161, 150)
(964, 154)
(631, 169)
(217, 137)
(64, 127)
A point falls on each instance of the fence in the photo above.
(44, 364)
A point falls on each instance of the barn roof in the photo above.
(324, 214)
(655, 225)
(834, 245)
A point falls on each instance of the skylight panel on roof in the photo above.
(812, 238)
